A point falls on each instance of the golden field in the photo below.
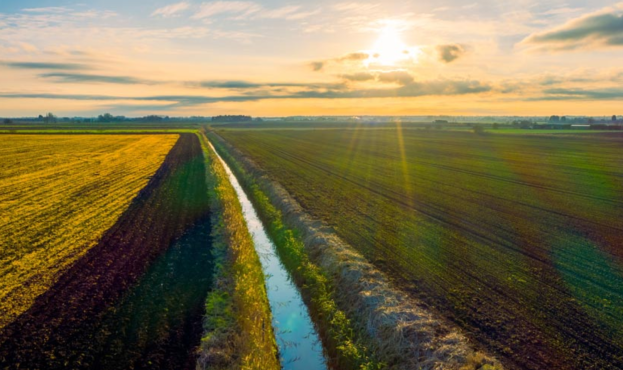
(58, 195)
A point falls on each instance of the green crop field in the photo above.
(516, 238)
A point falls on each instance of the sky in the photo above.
(278, 58)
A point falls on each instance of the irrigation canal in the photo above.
(299, 344)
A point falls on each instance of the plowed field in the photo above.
(517, 239)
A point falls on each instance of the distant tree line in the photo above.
(48, 118)
(107, 117)
(581, 120)
(232, 119)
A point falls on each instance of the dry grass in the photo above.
(404, 333)
(58, 195)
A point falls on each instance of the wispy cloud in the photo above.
(564, 10)
(171, 10)
(614, 93)
(358, 77)
(411, 89)
(92, 14)
(63, 77)
(351, 57)
(597, 30)
(92, 78)
(398, 77)
(355, 7)
(283, 12)
(43, 65)
(246, 85)
(49, 9)
(243, 8)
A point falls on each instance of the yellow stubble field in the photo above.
(58, 195)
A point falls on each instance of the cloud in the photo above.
(355, 7)
(289, 12)
(94, 14)
(413, 89)
(450, 53)
(580, 94)
(399, 77)
(597, 30)
(410, 90)
(284, 12)
(358, 77)
(171, 10)
(49, 9)
(89, 78)
(42, 65)
(564, 10)
(245, 8)
(215, 84)
(319, 65)
(354, 57)
(62, 77)
(246, 85)
(248, 9)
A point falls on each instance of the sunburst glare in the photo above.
(390, 50)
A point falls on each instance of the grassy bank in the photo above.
(238, 331)
(347, 345)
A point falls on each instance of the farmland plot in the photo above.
(58, 195)
(136, 298)
(516, 239)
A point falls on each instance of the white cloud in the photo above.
(49, 9)
(283, 12)
(171, 10)
(355, 7)
(303, 15)
(244, 8)
(289, 12)
(95, 14)
(28, 47)
(559, 11)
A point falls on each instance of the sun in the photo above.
(389, 49)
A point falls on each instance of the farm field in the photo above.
(517, 239)
(58, 195)
(129, 293)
